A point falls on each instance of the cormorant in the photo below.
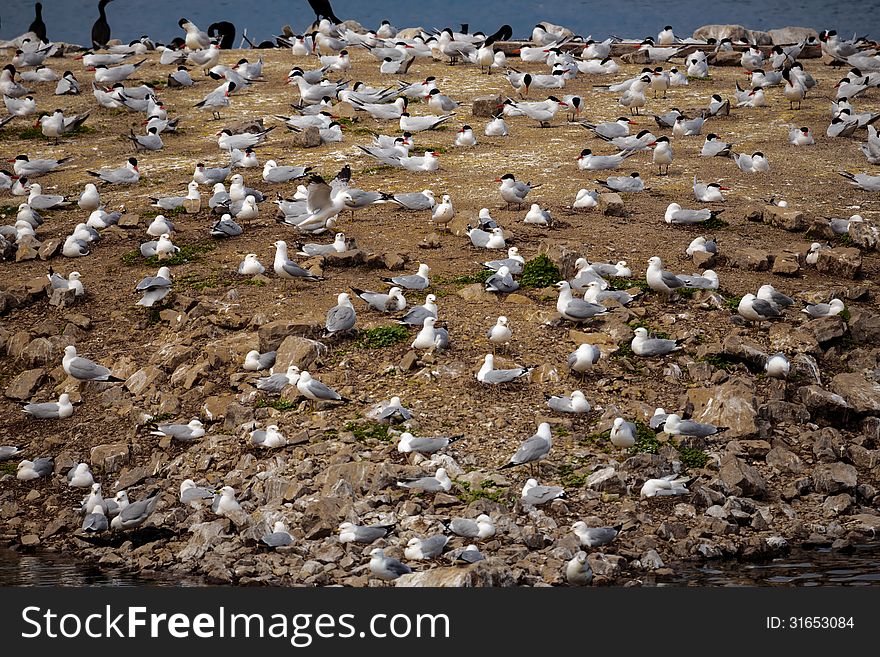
(38, 27)
(101, 28)
(226, 31)
(323, 9)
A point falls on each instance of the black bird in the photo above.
(323, 9)
(504, 33)
(38, 27)
(226, 31)
(101, 28)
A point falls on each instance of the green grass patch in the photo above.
(187, 253)
(8, 468)
(37, 132)
(569, 475)
(617, 283)
(646, 440)
(156, 420)
(278, 404)
(640, 323)
(467, 279)
(845, 315)
(731, 300)
(197, 282)
(687, 292)
(692, 457)
(714, 224)
(540, 271)
(487, 490)
(382, 336)
(719, 361)
(254, 282)
(366, 432)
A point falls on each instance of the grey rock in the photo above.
(860, 394)
(834, 478)
(25, 385)
(840, 262)
(742, 478)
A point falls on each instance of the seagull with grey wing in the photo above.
(573, 309)
(595, 536)
(642, 345)
(423, 444)
(386, 568)
(574, 403)
(8, 451)
(534, 494)
(488, 373)
(439, 482)
(277, 382)
(135, 514)
(254, 361)
(278, 537)
(286, 268)
(351, 533)
(425, 548)
(194, 495)
(676, 426)
(59, 410)
(182, 432)
(83, 369)
(533, 449)
(315, 391)
(480, 527)
(341, 317)
(418, 314)
(501, 281)
(417, 281)
(154, 288)
(393, 411)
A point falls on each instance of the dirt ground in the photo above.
(495, 421)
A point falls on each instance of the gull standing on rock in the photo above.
(533, 449)
(582, 359)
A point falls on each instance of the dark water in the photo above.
(71, 20)
(822, 567)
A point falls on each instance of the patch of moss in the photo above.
(845, 315)
(487, 490)
(37, 132)
(640, 323)
(687, 292)
(540, 271)
(8, 468)
(370, 431)
(692, 457)
(646, 440)
(714, 224)
(197, 282)
(719, 361)
(478, 277)
(131, 257)
(382, 336)
(730, 300)
(617, 283)
(254, 282)
(187, 253)
(278, 404)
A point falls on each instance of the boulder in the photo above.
(862, 395)
(612, 204)
(110, 457)
(790, 35)
(784, 461)
(142, 380)
(718, 32)
(744, 349)
(302, 352)
(741, 478)
(826, 329)
(832, 478)
(731, 404)
(821, 402)
(49, 248)
(786, 263)
(841, 262)
(785, 218)
(864, 235)
(864, 327)
(486, 106)
(492, 572)
(25, 385)
(749, 259)
(792, 341)
(310, 137)
(272, 334)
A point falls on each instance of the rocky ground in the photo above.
(798, 466)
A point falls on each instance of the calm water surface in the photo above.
(71, 20)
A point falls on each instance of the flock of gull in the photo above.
(317, 206)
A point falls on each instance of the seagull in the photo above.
(72, 282)
(535, 495)
(582, 359)
(315, 391)
(276, 383)
(36, 469)
(96, 520)
(660, 280)
(623, 433)
(578, 571)
(393, 411)
(351, 533)
(417, 281)
(286, 268)
(254, 361)
(135, 514)
(488, 373)
(675, 214)
(80, 476)
(595, 536)
(500, 333)
(514, 262)
(501, 281)
(533, 449)
(8, 451)
(757, 310)
(769, 293)
(250, 266)
(513, 191)
(676, 426)
(271, 437)
(424, 445)
(60, 410)
(193, 495)
(481, 527)
(392, 301)
(278, 537)
(417, 315)
(575, 403)
(576, 310)
(709, 192)
(154, 288)
(425, 548)
(125, 175)
(630, 184)
(430, 337)
(386, 568)
(439, 482)
(182, 432)
(341, 317)
(225, 503)
(777, 366)
(83, 369)
(642, 345)
(665, 486)
(824, 309)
